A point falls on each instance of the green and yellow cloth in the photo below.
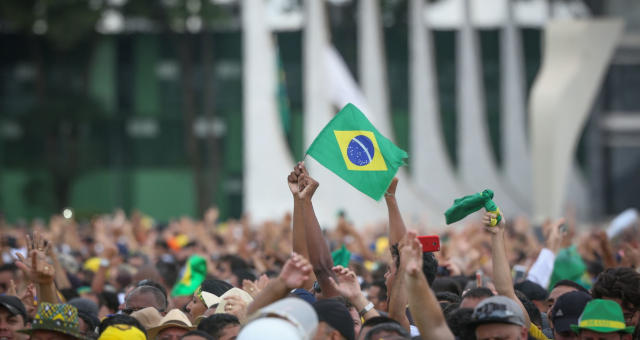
(194, 273)
(464, 206)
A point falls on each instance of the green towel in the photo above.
(464, 206)
(194, 273)
(341, 257)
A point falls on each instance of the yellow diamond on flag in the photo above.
(360, 150)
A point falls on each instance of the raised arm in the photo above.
(299, 234)
(397, 228)
(319, 254)
(293, 275)
(423, 304)
(501, 271)
(349, 287)
(37, 269)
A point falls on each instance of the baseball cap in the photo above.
(13, 305)
(304, 295)
(270, 328)
(498, 309)
(336, 314)
(567, 310)
(294, 310)
(87, 311)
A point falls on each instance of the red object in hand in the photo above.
(430, 243)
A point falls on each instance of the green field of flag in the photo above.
(352, 148)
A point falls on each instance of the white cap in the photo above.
(269, 328)
(296, 311)
(624, 220)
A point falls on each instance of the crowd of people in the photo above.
(119, 277)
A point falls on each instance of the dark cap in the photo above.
(87, 311)
(304, 295)
(13, 305)
(567, 310)
(498, 309)
(336, 314)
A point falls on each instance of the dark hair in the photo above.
(198, 333)
(448, 296)
(449, 307)
(621, 283)
(458, 321)
(376, 320)
(9, 267)
(215, 286)
(235, 262)
(530, 307)
(446, 284)
(152, 283)
(244, 274)
(532, 290)
(161, 299)
(121, 319)
(478, 292)
(429, 266)
(382, 294)
(110, 300)
(214, 324)
(569, 283)
(387, 327)
(168, 272)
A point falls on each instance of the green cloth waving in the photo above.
(194, 273)
(464, 206)
(341, 257)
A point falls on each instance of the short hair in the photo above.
(446, 284)
(235, 261)
(244, 274)
(151, 283)
(532, 290)
(121, 319)
(214, 324)
(429, 263)
(531, 308)
(448, 296)
(161, 299)
(569, 283)
(376, 320)
(478, 292)
(198, 333)
(109, 299)
(215, 286)
(387, 327)
(619, 283)
(459, 321)
(382, 294)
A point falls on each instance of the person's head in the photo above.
(535, 293)
(602, 319)
(197, 335)
(145, 296)
(172, 326)
(13, 317)
(499, 317)
(286, 319)
(8, 272)
(429, 267)
(387, 330)
(228, 264)
(459, 321)
(446, 284)
(448, 297)
(474, 296)
(377, 294)
(562, 287)
(335, 321)
(123, 322)
(147, 282)
(55, 322)
(622, 286)
(220, 326)
(565, 312)
(238, 275)
(532, 310)
(372, 322)
(88, 314)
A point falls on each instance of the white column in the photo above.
(267, 160)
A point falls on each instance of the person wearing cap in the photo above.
(121, 327)
(13, 317)
(172, 326)
(602, 320)
(286, 319)
(565, 312)
(88, 315)
(148, 317)
(200, 302)
(499, 317)
(55, 322)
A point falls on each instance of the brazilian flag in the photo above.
(352, 148)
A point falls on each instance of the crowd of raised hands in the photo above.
(130, 277)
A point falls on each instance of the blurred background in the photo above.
(139, 104)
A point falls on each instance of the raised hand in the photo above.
(347, 284)
(295, 271)
(35, 266)
(556, 235)
(235, 305)
(486, 220)
(307, 186)
(293, 177)
(391, 190)
(411, 254)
